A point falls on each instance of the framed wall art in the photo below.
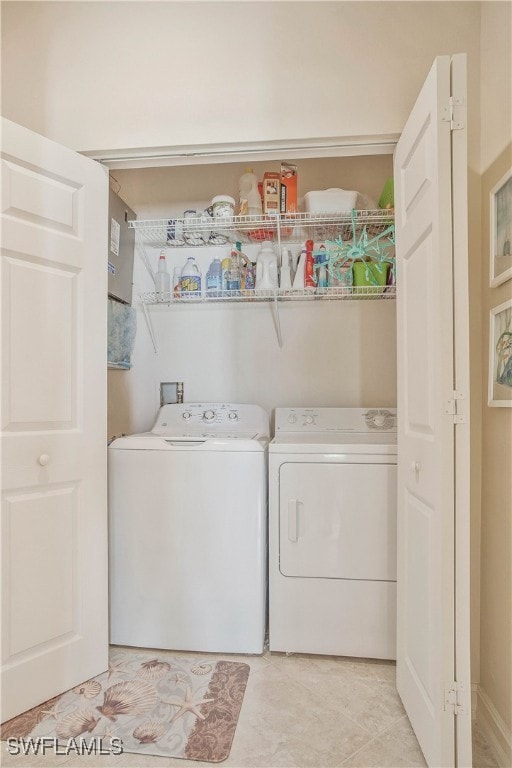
(500, 355)
(501, 230)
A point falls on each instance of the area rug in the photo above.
(153, 704)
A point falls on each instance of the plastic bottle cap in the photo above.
(223, 199)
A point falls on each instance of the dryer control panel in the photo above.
(336, 420)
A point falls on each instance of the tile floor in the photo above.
(300, 711)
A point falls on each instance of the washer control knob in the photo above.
(309, 419)
(379, 419)
(233, 415)
(208, 415)
(187, 415)
(292, 418)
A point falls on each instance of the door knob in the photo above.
(44, 459)
(415, 466)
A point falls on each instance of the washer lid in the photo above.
(202, 443)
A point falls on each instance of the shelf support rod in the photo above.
(277, 321)
(143, 254)
(275, 304)
(279, 238)
(148, 323)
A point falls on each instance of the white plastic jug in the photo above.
(162, 276)
(266, 268)
(250, 200)
(190, 283)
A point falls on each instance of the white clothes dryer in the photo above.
(188, 530)
(332, 532)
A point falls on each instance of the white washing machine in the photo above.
(188, 530)
(332, 532)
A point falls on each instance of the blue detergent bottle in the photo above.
(214, 277)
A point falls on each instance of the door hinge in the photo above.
(455, 695)
(455, 113)
(451, 408)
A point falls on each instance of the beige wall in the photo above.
(101, 75)
(496, 531)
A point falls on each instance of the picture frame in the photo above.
(500, 356)
(501, 231)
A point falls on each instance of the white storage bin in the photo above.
(329, 201)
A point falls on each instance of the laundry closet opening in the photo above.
(333, 353)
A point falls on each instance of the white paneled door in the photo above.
(54, 518)
(433, 431)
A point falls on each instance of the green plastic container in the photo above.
(370, 274)
(387, 198)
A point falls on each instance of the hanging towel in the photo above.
(122, 327)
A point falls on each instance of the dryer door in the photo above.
(338, 521)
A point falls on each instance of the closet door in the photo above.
(54, 517)
(433, 462)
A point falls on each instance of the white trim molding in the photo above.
(494, 728)
(151, 157)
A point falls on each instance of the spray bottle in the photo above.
(309, 272)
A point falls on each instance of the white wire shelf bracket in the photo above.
(349, 293)
(203, 231)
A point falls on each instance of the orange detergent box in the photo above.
(271, 184)
(288, 188)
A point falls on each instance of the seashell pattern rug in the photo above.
(156, 704)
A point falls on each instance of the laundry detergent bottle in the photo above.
(214, 277)
(266, 268)
(190, 283)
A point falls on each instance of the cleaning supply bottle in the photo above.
(285, 277)
(162, 277)
(244, 264)
(322, 280)
(234, 278)
(226, 266)
(309, 271)
(249, 200)
(190, 284)
(266, 268)
(298, 280)
(250, 277)
(214, 277)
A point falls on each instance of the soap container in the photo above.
(266, 268)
